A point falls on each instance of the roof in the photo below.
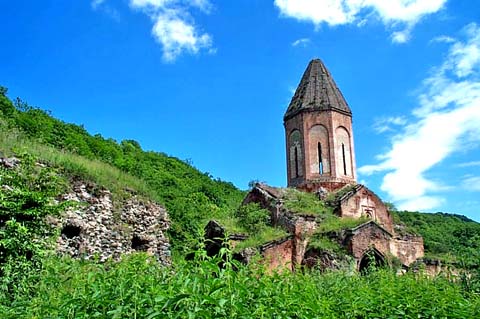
(317, 91)
(370, 223)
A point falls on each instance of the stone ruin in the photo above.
(94, 228)
(374, 240)
(320, 157)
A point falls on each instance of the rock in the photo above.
(9, 162)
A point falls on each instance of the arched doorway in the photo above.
(371, 257)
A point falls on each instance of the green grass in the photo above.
(334, 223)
(75, 166)
(324, 244)
(299, 202)
(266, 235)
(231, 224)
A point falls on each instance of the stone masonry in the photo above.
(94, 228)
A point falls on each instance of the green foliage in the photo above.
(138, 288)
(321, 242)
(191, 197)
(334, 197)
(263, 236)
(333, 223)
(449, 237)
(305, 203)
(252, 217)
(321, 239)
(26, 198)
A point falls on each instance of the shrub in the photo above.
(252, 217)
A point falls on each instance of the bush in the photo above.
(26, 198)
(252, 217)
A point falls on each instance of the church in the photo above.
(320, 157)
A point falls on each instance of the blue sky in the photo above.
(210, 80)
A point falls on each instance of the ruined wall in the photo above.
(366, 236)
(278, 254)
(408, 249)
(266, 200)
(364, 203)
(95, 228)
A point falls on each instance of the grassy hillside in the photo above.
(190, 196)
(449, 237)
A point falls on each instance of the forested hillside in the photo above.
(448, 237)
(190, 196)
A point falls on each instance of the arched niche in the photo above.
(295, 154)
(343, 152)
(319, 150)
(372, 258)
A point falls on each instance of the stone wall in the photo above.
(94, 228)
(365, 237)
(364, 203)
(407, 248)
(278, 254)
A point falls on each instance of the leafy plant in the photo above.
(304, 203)
(26, 198)
(252, 217)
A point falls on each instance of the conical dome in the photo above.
(317, 91)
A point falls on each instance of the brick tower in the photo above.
(318, 131)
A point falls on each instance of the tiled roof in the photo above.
(317, 91)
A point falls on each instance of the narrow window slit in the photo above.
(296, 161)
(344, 160)
(320, 161)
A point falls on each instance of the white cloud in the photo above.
(442, 39)
(176, 36)
(472, 183)
(421, 203)
(401, 36)
(469, 164)
(106, 8)
(301, 42)
(96, 3)
(384, 124)
(173, 26)
(336, 12)
(447, 118)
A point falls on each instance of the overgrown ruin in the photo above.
(321, 160)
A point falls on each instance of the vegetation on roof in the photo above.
(253, 221)
(299, 202)
(264, 236)
(333, 197)
(333, 223)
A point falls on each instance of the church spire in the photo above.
(319, 135)
(317, 91)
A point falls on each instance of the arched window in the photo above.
(295, 156)
(344, 160)
(343, 152)
(296, 162)
(320, 160)
(318, 147)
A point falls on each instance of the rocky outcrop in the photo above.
(93, 227)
